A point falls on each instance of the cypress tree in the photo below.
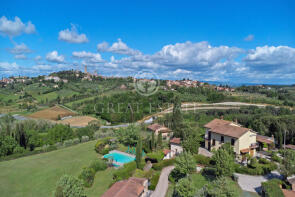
(153, 141)
(138, 152)
(159, 140)
(177, 118)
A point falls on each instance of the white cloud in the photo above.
(38, 58)
(90, 57)
(14, 28)
(181, 72)
(20, 57)
(118, 47)
(250, 37)
(271, 57)
(72, 35)
(54, 57)
(8, 67)
(20, 49)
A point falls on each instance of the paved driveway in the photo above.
(162, 186)
(253, 183)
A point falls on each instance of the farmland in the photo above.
(52, 113)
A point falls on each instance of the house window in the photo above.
(232, 142)
(222, 139)
(213, 143)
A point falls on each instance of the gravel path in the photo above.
(162, 186)
(253, 183)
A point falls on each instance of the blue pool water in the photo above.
(119, 157)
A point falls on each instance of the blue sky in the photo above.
(230, 41)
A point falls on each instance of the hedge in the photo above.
(272, 188)
(163, 163)
(201, 159)
(87, 176)
(98, 165)
(159, 155)
(125, 172)
(154, 181)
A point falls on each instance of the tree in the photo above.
(159, 141)
(33, 139)
(129, 135)
(138, 152)
(288, 165)
(185, 188)
(153, 144)
(7, 145)
(59, 133)
(229, 149)
(177, 119)
(224, 162)
(185, 163)
(191, 142)
(69, 186)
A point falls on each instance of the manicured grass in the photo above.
(37, 175)
(102, 181)
(199, 180)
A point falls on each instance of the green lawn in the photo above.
(37, 175)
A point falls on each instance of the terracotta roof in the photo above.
(155, 127)
(166, 151)
(264, 139)
(175, 140)
(133, 187)
(227, 128)
(288, 193)
(290, 146)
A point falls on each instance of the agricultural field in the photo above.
(37, 175)
(77, 121)
(52, 113)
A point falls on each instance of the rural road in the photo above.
(162, 186)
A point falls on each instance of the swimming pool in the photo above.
(119, 157)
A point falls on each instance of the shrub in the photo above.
(143, 174)
(209, 171)
(98, 165)
(201, 159)
(76, 141)
(159, 155)
(154, 181)
(87, 176)
(69, 186)
(18, 149)
(271, 188)
(163, 163)
(101, 143)
(68, 143)
(58, 144)
(85, 139)
(176, 175)
(125, 172)
(47, 148)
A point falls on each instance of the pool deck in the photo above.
(123, 153)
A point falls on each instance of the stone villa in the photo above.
(220, 131)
